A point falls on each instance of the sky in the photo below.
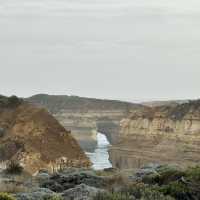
(113, 49)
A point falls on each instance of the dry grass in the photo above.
(115, 179)
(12, 188)
(15, 183)
(116, 182)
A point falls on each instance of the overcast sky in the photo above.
(118, 49)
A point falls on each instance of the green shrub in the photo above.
(164, 175)
(136, 191)
(151, 194)
(145, 192)
(5, 196)
(181, 185)
(55, 197)
(13, 167)
(193, 174)
(177, 190)
(112, 196)
(151, 179)
(12, 101)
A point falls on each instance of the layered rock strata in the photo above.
(85, 116)
(166, 134)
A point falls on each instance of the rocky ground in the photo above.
(153, 182)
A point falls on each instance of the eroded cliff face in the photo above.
(33, 137)
(166, 134)
(85, 116)
(85, 125)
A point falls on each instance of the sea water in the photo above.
(100, 157)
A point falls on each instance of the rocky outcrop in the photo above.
(35, 138)
(85, 116)
(166, 134)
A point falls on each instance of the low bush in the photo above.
(12, 101)
(14, 167)
(193, 174)
(5, 196)
(112, 196)
(55, 197)
(145, 192)
(177, 190)
(136, 191)
(164, 175)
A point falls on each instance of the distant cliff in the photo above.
(86, 116)
(56, 103)
(33, 137)
(164, 103)
(165, 134)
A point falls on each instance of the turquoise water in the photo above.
(100, 157)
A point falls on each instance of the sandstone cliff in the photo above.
(165, 134)
(32, 136)
(139, 134)
(86, 116)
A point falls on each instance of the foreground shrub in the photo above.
(164, 175)
(144, 192)
(12, 101)
(5, 196)
(13, 167)
(177, 190)
(112, 196)
(150, 194)
(55, 197)
(193, 174)
(136, 191)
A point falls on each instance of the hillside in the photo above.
(55, 103)
(32, 136)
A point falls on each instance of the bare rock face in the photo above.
(165, 134)
(36, 139)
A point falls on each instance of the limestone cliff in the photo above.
(32, 136)
(86, 116)
(165, 134)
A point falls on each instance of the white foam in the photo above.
(100, 158)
